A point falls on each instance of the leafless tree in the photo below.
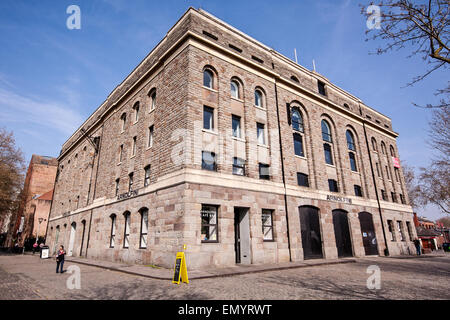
(412, 186)
(420, 26)
(12, 168)
(445, 221)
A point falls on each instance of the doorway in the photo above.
(73, 229)
(310, 229)
(342, 233)
(242, 235)
(368, 233)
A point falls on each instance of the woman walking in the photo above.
(60, 258)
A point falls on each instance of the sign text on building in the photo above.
(339, 199)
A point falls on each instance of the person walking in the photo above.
(417, 244)
(60, 258)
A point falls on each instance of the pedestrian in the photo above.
(34, 247)
(60, 258)
(417, 244)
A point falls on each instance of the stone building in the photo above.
(219, 142)
(38, 190)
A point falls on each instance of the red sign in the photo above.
(396, 162)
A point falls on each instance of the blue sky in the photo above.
(53, 78)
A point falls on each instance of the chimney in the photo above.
(416, 221)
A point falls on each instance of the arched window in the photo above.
(208, 79)
(144, 228)
(297, 120)
(259, 98)
(234, 89)
(136, 112)
(295, 79)
(152, 95)
(350, 141)
(123, 119)
(328, 153)
(326, 132)
(112, 238)
(383, 148)
(392, 151)
(126, 231)
(374, 145)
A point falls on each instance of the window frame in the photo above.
(147, 177)
(263, 166)
(127, 227)
(130, 181)
(298, 143)
(211, 75)
(209, 225)
(305, 177)
(333, 183)
(143, 234)
(117, 186)
(237, 166)
(204, 164)
(136, 107)
(327, 135)
(358, 190)
(207, 109)
(261, 127)
(353, 165)
(297, 125)
(331, 160)
(150, 136)
(112, 235)
(236, 85)
(264, 227)
(260, 94)
(321, 88)
(235, 118)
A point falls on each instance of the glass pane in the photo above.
(208, 161)
(236, 125)
(208, 114)
(234, 90)
(260, 133)
(145, 222)
(268, 235)
(298, 145)
(328, 156)
(144, 241)
(258, 98)
(208, 79)
(267, 218)
(126, 242)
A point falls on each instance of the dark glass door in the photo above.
(368, 233)
(342, 234)
(310, 229)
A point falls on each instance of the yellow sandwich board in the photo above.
(180, 270)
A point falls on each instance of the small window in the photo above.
(321, 87)
(260, 133)
(391, 229)
(235, 48)
(410, 232)
(208, 79)
(333, 185)
(130, 182)
(384, 195)
(121, 153)
(267, 225)
(258, 98)
(295, 79)
(353, 167)
(328, 154)
(264, 171)
(257, 59)
(302, 179)
(391, 148)
(402, 199)
(147, 176)
(346, 106)
(150, 137)
(136, 112)
(383, 148)
(152, 99)
(326, 132)
(234, 89)
(378, 169)
(126, 235)
(209, 161)
(358, 191)
(238, 166)
(117, 186)
(350, 140)
(144, 229)
(206, 33)
(209, 224)
(298, 145)
(297, 120)
(208, 118)
(400, 230)
(394, 197)
(123, 119)
(374, 145)
(397, 174)
(387, 173)
(236, 126)
(134, 146)
(112, 238)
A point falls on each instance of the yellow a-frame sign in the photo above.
(180, 270)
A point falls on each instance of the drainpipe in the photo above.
(282, 171)
(386, 250)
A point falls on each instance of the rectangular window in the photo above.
(126, 235)
(394, 197)
(238, 166)
(352, 161)
(147, 176)
(236, 125)
(144, 229)
(321, 87)
(387, 173)
(358, 191)
(209, 224)
(130, 182)
(391, 229)
(208, 118)
(378, 169)
(400, 230)
(384, 195)
(397, 174)
(150, 137)
(134, 146)
(302, 179)
(298, 145)
(332, 185)
(264, 171)
(402, 199)
(328, 155)
(112, 238)
(117, 186)
(121, 153)
(267, 225)
(209, 161)
(260, 133)
(410, 234)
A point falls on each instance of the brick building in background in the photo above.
(38, 190)
(219, 142)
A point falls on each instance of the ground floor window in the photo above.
(209, 223)
(126, 236)
(400, 230)
(267, 224)
(144, 228)
(391, 229)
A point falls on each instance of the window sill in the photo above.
(132, 157)
(151, 110)
(330, 165)
(301, 157)
(206, 241)
(135, 122)
(119, 163)
(238, 139)
(260, 108)
(263, 145)
(210, 89)
(237, 99)
(210, 131)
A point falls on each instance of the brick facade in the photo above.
(85, 193)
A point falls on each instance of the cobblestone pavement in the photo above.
(28, 277)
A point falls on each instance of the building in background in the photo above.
(221, 143)
(432, 235)
(32, 218)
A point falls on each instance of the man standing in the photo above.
(417, 244)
